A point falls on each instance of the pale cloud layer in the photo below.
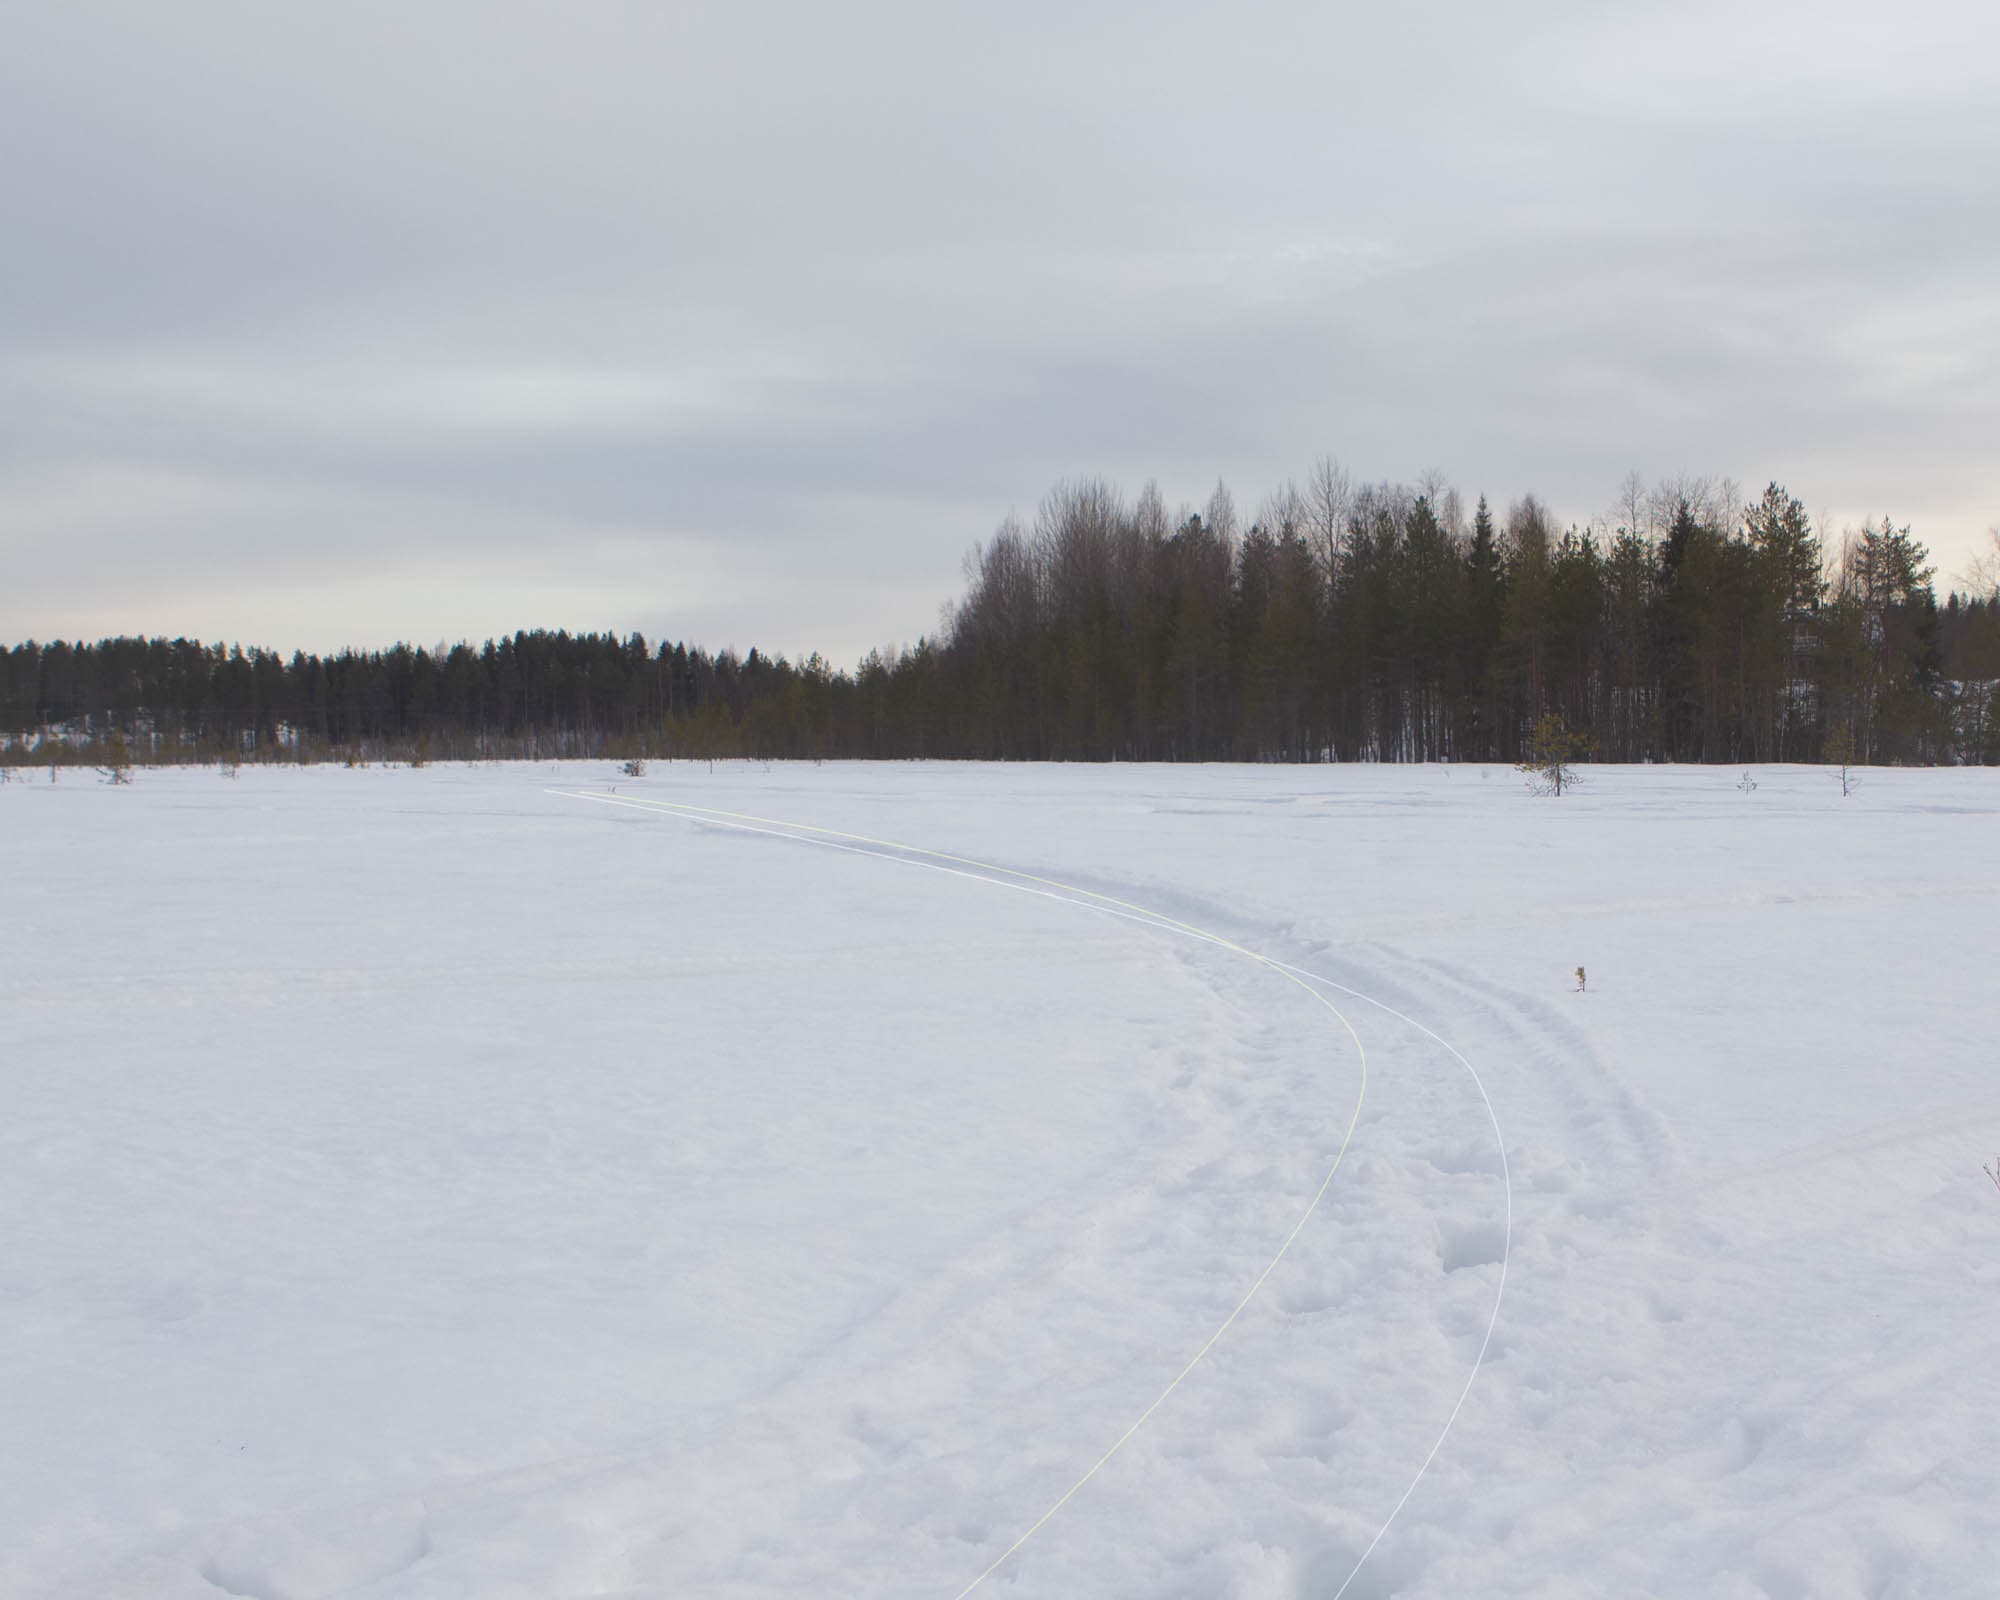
(739, 324)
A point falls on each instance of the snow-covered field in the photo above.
(427, 1184)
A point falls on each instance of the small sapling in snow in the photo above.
(1747, 784)
(117, 766)
(1552, 754)
(1839, 753)
(1579, 981)
(634, 769)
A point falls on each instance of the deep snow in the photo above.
(423, 1184)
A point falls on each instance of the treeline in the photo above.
(536, 694)
(1343, 622)
(1386, 622)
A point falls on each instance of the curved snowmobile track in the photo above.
(1314, 984)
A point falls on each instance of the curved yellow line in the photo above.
(806, 833)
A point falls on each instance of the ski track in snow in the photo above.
(1458, 1255)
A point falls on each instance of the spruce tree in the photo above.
(1485, 607)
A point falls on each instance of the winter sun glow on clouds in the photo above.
(342, 324)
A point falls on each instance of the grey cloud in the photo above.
(804, 300)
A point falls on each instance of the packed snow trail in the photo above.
(1091, 900)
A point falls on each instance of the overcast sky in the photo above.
(740, 323)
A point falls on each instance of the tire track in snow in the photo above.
(1002, 877)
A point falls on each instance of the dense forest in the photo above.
(1343, 623)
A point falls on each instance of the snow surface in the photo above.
(423, 1184)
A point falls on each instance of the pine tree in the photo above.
(1552, 754)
